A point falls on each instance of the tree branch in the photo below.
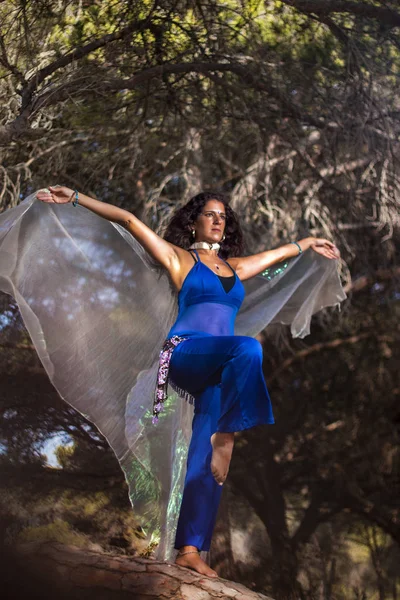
(67, 570)
(362, 282)
(6, 63)
(76, 54)
(353, 339)
(373, 511)
(311, 519)
(386, 16)
(64, 91)
(328, 171)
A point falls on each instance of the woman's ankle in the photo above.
(188, 549)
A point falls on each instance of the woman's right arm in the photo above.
(165, 253)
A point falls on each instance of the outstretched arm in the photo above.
(162, 251)
(249, 266)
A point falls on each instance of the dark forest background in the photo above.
(293, 108)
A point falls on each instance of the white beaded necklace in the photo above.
(205, 246)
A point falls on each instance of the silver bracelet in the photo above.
(298, 245)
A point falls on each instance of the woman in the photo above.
(221, 371)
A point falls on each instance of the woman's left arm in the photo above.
(248, 266)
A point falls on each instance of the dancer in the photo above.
(202, 357)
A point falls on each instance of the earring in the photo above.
(223, 237)
(193, 232)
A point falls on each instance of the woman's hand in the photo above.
(57, 194)
(324, 247)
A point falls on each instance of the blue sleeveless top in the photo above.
(205, 307)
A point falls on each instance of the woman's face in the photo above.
(210, 224)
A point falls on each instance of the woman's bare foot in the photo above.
(222, 445)
(189, 557)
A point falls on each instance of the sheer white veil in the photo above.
(98, 311)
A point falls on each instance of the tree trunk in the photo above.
(285, 564)
(221, 547)
(52, 570)
(285, 567)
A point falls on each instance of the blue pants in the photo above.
(224, 374)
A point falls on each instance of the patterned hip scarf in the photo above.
(161, 391)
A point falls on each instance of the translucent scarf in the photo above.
(98, 310)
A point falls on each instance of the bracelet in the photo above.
(298, 245)
(75, 202)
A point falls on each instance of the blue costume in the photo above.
(223, 373)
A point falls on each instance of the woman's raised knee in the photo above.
(249, 346)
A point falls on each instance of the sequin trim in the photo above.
(160, 394)
(273, 272)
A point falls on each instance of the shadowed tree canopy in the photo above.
(293, 108)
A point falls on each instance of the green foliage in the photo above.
(59, 531)
(49, 509)
(63, 455)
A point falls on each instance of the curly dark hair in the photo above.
(179, 227)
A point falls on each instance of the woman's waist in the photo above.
(206, 318)
(187, 329)
(227, 300)
(196, 333)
